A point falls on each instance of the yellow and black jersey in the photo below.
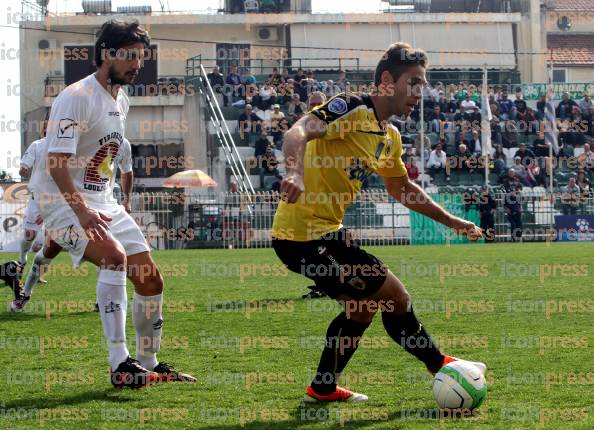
(336, 165)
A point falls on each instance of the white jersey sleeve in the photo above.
(68, 117)
(29, 157)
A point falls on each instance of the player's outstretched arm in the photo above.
(307, 128)
(415, 198)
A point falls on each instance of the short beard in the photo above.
(116, 79)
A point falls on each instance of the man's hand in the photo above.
(94, 224)
(24, 172)
(467, 228)
(291, 187)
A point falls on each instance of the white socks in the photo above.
(113, 303)
(40, 264)
(25, 247)
(147, 314)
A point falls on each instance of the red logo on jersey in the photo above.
(100, 169)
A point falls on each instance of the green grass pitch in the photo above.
(235, 319)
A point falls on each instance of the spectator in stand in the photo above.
(233, 81)
(437, 119)
(269, 165)
(525, 154)
(216, 79)
(249, 126)
(443, 104)
(521, 106)
(584, 183)
(540, 107)
(329, 88)
(499, 160)
(247, 78)
(541, 147)
(275, 78)
(412, 169)
(302, 89)
(487, 209)
(275, 125)
(586, 160)
(475, 95)
(437, 162)
(532, 123)
(460, 93)
(507, 110)
(462, 160)
(565, 107)
(285, 76)
(251, 88)
(260, 147)
(317, 98)
(469, 110)
(474, 144)
(342, 81)
(586, 107)
(287, 92)
(509, 137)
(571, 197)
(524, 175)
(266, 96)
(296, 109)
(408, 154)
(300, 75)
(513, 206)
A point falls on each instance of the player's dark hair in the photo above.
(397, 58)
(116, 34)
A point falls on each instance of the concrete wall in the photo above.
(473, 41)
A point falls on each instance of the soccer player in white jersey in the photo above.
(33, 237)
(85, 131)
(50, 249)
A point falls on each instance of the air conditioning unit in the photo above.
(48, 44)
(267, 34)
(550, 4)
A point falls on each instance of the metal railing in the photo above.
(261, 66)
(179, 220)
(239, 220)
(224, 135)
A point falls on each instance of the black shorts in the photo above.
(335, 262)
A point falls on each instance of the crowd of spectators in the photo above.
(271, 107)
(453, 116)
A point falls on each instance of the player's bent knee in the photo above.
(30, 235)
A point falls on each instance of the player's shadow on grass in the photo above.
(108, 394)
(303, 416)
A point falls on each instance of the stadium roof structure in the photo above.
(572, 49)
(574, 5)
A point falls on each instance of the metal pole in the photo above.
(422, 136)
(485, 100)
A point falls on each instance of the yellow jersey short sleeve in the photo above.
(337, 165)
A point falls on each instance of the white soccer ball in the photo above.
(459, 385)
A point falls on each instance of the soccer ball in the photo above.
(459, 385)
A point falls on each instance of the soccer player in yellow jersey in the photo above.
(329, 153)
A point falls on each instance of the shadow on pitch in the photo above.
(303, 416)
(108, 394)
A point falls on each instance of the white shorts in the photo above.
(31, 214)
(64, 229)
